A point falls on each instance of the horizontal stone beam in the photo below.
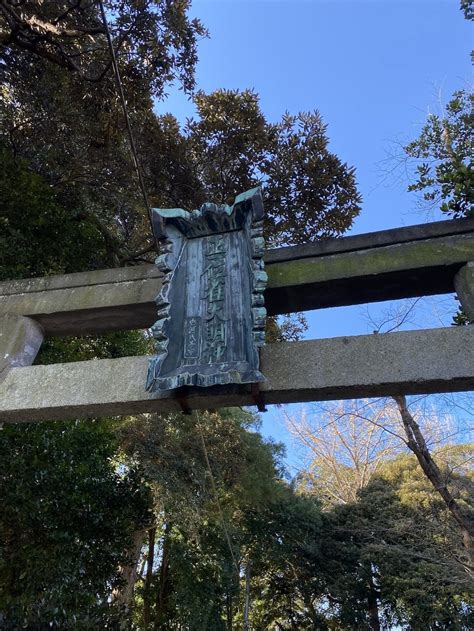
(401, 263)
(404, 270)
(410, 362)
(393, 236)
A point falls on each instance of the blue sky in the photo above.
(373, 68)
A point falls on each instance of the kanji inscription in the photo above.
(211, 314)
(214, 294)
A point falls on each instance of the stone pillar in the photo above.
(20, 341)
(464, 285)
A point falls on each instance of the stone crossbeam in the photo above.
(410, 362)
(399, 263)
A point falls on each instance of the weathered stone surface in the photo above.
(411, 362)
(414, 255)
(381, 238)
(464, 285)
(76, 310)
(20, 341)
(79, 279)
(123, 298)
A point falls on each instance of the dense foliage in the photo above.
(67, 516)
(385, 549)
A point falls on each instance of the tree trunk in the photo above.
(229, 611)
(372, 605)
(129, 572)
(247, 595)
(163, 586)
(417, 444)
(148, 578)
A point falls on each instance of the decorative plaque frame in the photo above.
(211, 314)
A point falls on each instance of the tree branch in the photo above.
(417, 444)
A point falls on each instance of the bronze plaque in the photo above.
(210, 308)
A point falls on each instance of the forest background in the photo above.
(115, 523)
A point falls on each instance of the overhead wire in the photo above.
(133, 147)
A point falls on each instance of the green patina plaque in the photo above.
(211, 314)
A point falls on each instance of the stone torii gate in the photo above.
(421, 260)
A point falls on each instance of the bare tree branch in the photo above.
(417, 444)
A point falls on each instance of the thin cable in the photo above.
(214, 490)
(133, 148)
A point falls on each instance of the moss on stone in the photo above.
(418, 254)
